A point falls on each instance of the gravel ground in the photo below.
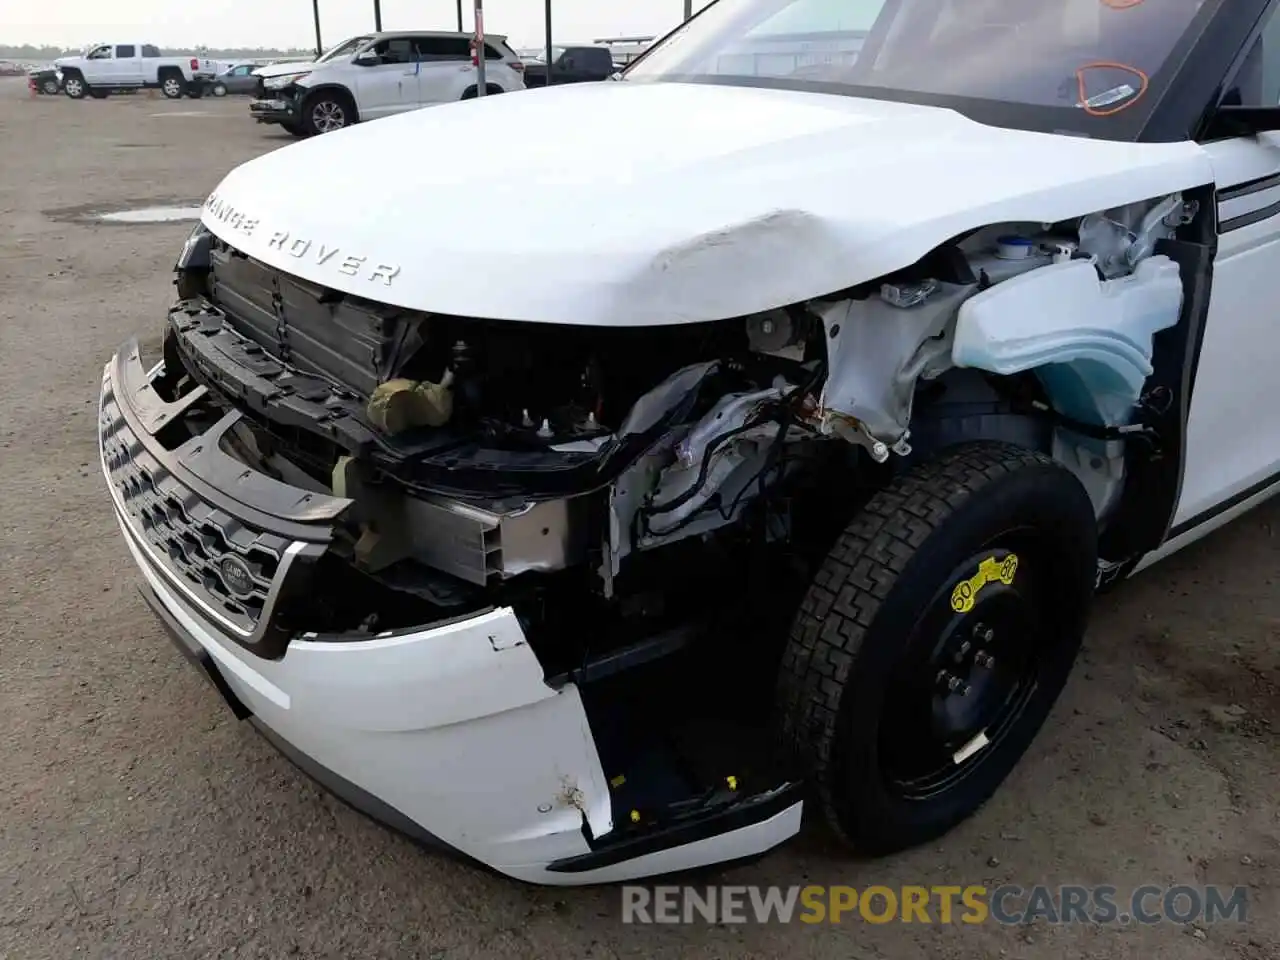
(138, 819)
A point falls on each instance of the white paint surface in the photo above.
(727, 201)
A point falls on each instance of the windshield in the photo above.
(344, 49)
(1037, 63)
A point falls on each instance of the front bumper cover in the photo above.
(274, 110)
(449, 733)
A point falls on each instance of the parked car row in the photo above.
(380, 74)
(362, 78)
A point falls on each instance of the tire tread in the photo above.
(855, 579)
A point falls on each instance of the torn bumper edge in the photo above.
(448, 734)
(273, 110)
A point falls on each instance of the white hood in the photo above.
(635, 204)
(284, 69)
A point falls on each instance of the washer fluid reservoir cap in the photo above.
(1013, 248)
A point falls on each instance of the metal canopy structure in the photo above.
(377, 19)
(377, 13)
(478, 32)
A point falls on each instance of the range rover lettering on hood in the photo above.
(318, 253)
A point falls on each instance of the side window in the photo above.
(444, 48)
(1257, 82)
(242, 71)
(124, 51)
(100, 53)
(395, 50)
(149, 51)
(491, 52)
(597, 59)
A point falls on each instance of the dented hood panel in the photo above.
(284, 69)
(637, 204)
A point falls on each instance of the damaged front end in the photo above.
(648, 503)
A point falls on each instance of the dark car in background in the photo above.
(570, 65)
(237, 79)
(44, 81)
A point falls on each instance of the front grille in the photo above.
(192, 538)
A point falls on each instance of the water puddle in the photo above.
(152, 215)
(167, 210)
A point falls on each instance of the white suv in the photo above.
(380, 74)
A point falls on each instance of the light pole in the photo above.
(315, 11)
(459, 16)
(377, 15)
(480, 85)
(547, 10)
(688, 9)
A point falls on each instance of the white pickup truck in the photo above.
(105, 68)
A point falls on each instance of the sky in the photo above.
(288, 23)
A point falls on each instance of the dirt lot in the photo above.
(138, 819)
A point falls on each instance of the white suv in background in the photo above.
(381, 74)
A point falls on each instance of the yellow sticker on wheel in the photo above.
(990, 570)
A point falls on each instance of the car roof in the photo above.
(501, 37)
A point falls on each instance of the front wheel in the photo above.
(294, 129)
(934, 640)
(326, 113)
(219, 90)
(49, 87)
(75, 87)
(172, 87)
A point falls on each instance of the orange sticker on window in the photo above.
(1110, 108)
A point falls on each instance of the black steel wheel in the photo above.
(969, 670)
(935, 639)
